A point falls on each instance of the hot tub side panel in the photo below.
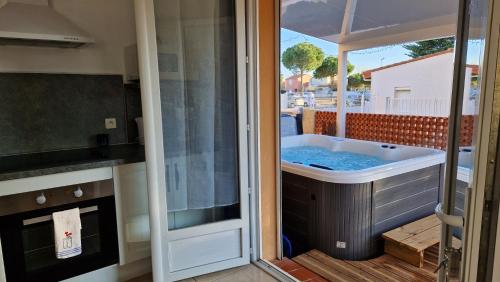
(346, 221)
(460, 198)
(334, 218)
(460, 204)
(404, 198)
(300, 211)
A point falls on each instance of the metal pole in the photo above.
(341, 91)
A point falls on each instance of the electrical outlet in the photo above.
(341, 245)
(110, 123)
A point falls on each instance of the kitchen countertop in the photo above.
(38, 164)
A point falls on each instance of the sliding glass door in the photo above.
(193, 75)
(465, 119)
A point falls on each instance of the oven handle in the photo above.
(45, 218)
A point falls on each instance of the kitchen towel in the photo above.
(67, 232)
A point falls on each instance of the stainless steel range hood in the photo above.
(36, 23)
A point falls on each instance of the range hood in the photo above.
(36, 23)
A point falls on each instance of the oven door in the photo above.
(28, 242)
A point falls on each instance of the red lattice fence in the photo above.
(421, 131)
(324, 123)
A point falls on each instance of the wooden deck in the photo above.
(383, 268)
(412, 253)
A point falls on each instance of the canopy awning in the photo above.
(359, 24)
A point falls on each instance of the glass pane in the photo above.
(39, 248)
(197, 63)
(470, 110)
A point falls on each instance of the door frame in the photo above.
(151, 103)
(481, 230)
(254, 94)
(454, 127)
(483, 166)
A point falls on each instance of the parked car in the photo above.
(299, 99)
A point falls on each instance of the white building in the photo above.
(320, 82)
(420, 86)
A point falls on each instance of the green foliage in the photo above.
(329, 68)
(356, 81)
(302, 57)
(428, 47)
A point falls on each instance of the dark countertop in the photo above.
(38, 164)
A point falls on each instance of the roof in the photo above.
(297, 76)
(361, 24)
(475, 69)
(367, 75)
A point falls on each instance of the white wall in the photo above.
(320, 81)
(110, 22)
(428, 79)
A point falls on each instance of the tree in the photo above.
(356, 81)
(329, 68)
(301, 58)
(428, 47)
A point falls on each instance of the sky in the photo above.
(362, 59)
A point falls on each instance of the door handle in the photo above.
(451, 220)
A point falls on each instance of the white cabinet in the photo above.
(131, 196)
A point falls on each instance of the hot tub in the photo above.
(464, 177)
(342, 207)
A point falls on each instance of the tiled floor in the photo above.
(298, 271)
(238, 274)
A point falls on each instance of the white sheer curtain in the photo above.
(199, 108)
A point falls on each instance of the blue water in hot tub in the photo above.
(331, 160)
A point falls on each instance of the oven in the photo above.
(27, 232)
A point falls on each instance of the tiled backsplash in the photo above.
(48, 112)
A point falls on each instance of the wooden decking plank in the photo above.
(321, 269)
(398, 265)
(346, 267)
(405, 253)
(378, 271)
(433, 249)
(411, 229)
(383, 263)
(429, 267)
(375, 274)
(424, 240)
(431, 256)
(383, 268)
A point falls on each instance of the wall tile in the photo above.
(47, 112)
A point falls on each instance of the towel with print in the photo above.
(67, 232)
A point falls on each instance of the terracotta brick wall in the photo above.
(397, 129)
(324, 123)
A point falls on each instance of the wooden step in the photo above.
(412, 229)
(410, 241)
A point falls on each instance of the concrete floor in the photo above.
(238, 274)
